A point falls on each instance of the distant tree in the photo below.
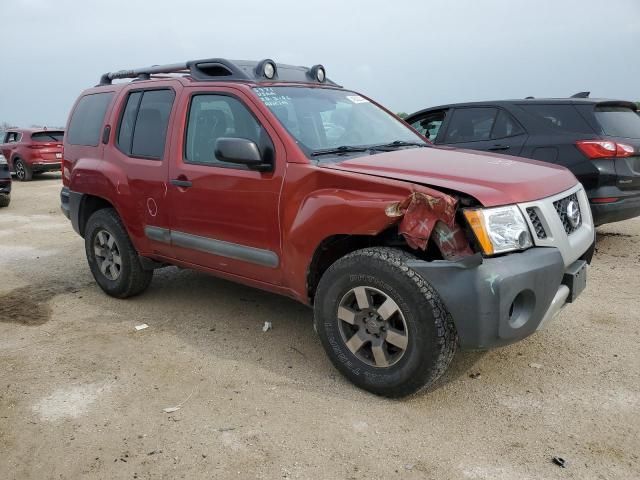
(402, 115)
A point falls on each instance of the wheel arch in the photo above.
(334, 247)
(87, 206)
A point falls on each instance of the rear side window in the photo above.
(559, 117)
(86, 122)
(11, 137)
(429, 125)
(618, 121)
(471, 124)
(505, 126)
(48, 136)
(143, 126)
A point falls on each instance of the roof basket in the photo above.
(226, 70)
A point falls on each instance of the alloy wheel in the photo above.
(21, 173)
(372, 326)
(107, 255)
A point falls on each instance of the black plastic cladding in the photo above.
(220, 69)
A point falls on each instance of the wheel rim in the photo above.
(372, 326)
(107, 254)
(20, 171)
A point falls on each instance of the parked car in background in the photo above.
(32, 151)
(597, 139)
(5, 182)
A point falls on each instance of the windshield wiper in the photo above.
(398, 144)
(339, 150)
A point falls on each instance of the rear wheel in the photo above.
(112, 258)
(381, 324)
(5, 199)
(22, 170)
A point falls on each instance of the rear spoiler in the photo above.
(618, 103)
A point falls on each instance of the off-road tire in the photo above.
(22, 170)
(5, 199)
(133, 279)
(432, 337)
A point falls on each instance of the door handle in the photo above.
(499, 147)
(181, 183)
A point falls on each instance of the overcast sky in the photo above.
(405, 54)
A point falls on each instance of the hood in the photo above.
(490, 178)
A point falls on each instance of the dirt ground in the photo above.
(82, 392)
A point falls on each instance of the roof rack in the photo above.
(220, 69)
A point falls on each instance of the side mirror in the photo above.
(241, 151)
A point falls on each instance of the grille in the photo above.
(561, 208)
(537, 224)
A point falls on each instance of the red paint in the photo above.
(490, 178)
(33, 153)
(293, 208)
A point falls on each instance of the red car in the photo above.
(273, 176)
(32, 151)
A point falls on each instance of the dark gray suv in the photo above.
(597, 139)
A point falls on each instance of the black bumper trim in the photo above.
(500, 301)
(70, 203)
(623, 209)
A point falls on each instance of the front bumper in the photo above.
(501, 300)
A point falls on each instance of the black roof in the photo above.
(531, 100)
(224, 70)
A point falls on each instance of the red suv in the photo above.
(31, 151)
(273, 176)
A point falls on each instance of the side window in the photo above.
(11, 137)
(429, 125)
(213, 116)
(505, 126)
(85, 126)
(125, 133)
(471, 124)
(561, 117)
(143, 125)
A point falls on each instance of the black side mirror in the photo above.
(241, 151)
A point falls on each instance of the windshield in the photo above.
(332, 121)
(618, 121)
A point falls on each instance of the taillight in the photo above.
(604, 149)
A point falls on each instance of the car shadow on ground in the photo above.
(40, 177)
(226, 321)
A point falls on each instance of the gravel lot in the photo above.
(82, 393)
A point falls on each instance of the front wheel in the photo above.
(112, 258)
(381, 324)
(5, 199)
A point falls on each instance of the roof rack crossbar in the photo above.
(107, 78)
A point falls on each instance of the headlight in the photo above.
(500, 229)
(3, 161)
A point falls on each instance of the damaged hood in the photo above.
(490, 178)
